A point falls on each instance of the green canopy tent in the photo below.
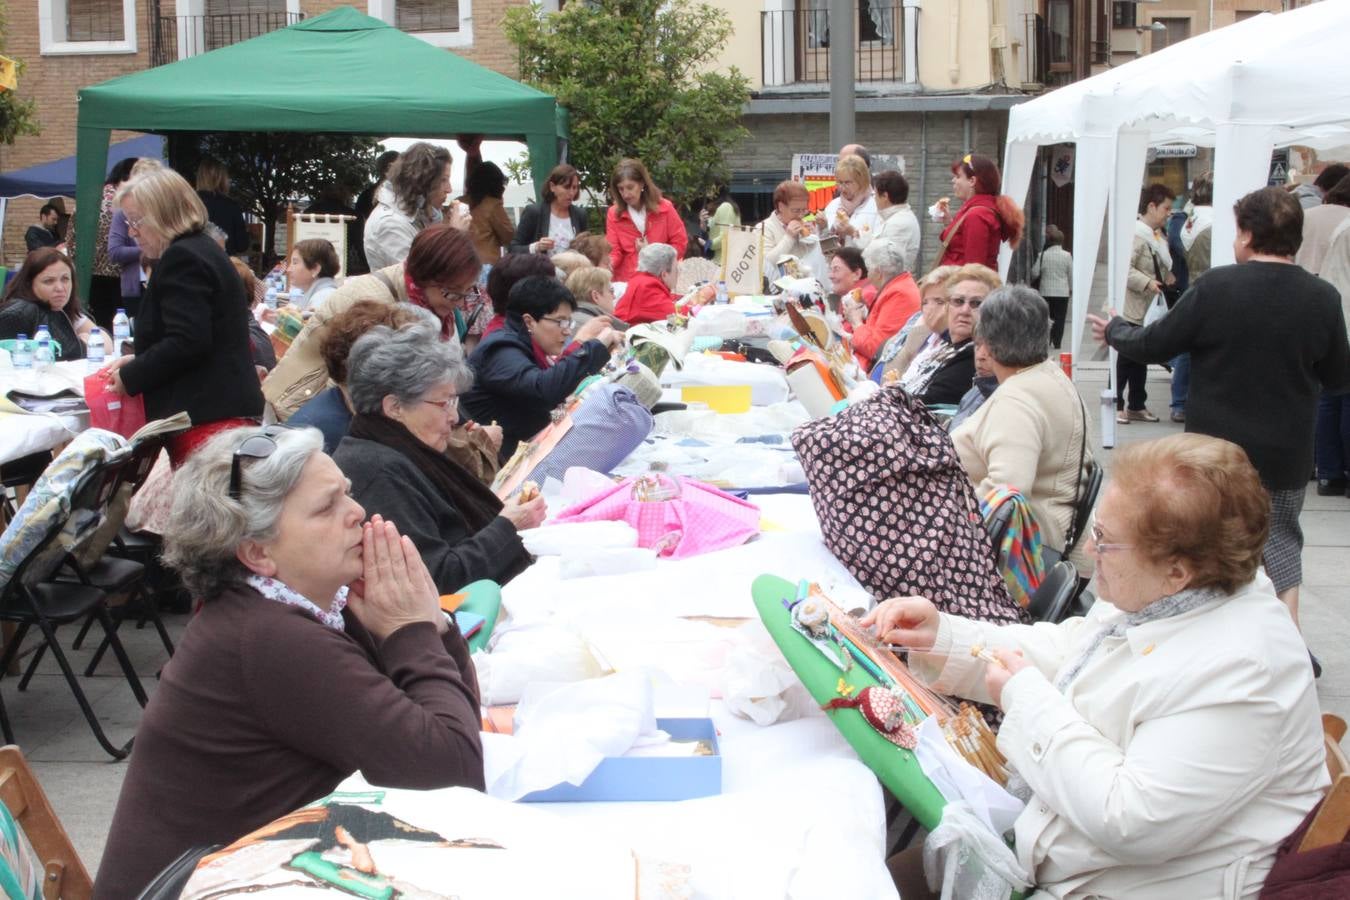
(341, 72)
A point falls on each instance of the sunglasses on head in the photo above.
(255, 446)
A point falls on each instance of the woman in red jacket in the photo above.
(639, 216)
(985, 218)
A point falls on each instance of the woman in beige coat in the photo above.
(1029, 433)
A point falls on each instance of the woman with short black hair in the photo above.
(521, 370)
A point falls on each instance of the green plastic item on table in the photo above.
(8, 346)
(485, 599)
(896, 767)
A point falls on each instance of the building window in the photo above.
(94, 20)
(86, 26)
(441, 23)
(427, 15)
(1177, 30)
(1059, 19)
(1122, 14)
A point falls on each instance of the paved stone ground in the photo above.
(83, 783)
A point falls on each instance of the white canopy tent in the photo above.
(1266, 82)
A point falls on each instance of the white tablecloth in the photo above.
(25, 433)
(799, 815)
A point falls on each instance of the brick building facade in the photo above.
(57, 69)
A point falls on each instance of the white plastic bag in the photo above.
(1156, 310)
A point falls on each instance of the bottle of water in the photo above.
(297, 297)
(121, 330)
(96, 352)
(22, 357)
(44, 357)
(270, 298)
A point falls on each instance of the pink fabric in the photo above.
(700, 520)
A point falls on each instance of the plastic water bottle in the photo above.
(22, 357)
(44, 357)
(722, 292)
(297, 297)
(270, 298)
(96, 352)
(121, 330)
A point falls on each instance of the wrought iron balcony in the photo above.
(796, 43)
(177, 37)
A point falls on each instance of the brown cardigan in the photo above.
(263, 709)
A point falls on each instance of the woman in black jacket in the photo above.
(192, 337)
(405, 388)
(533, 362)
(549, 227)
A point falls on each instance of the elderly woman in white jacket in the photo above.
(1171, 739)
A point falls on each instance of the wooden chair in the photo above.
(1332, 822)
(1333, 730)
(65, 876)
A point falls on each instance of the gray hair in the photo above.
(656, 259)
(206, 526)
(885, 258)
(1014, 326)
(405, 364)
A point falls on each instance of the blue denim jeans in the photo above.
(1332, 449)
(1181, 381)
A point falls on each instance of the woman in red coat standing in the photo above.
(639, 216)
(985, 218)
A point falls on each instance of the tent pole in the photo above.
(91, 155)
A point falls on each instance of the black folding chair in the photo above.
(31, 598)
(1050, 602)
(124, 575)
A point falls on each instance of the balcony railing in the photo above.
(177, 37)
(796, 43)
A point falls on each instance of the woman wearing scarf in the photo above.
(1169, 741)
(440, 275)
(405, 387)
(535, 361)
(852, 216)
(319, 650)
(986, 217)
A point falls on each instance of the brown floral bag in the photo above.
(898, 510)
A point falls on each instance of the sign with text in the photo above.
(743, 260)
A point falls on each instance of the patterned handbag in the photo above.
(898, 510)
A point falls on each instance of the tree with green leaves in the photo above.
(17, 115)
(269, 171)
(637, 79)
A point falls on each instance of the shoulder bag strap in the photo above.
(1075, 526)
(956, 226)
(387, 282)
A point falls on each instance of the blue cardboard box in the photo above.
(626, 778)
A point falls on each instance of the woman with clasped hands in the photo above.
(1170, 739)
(320, 650)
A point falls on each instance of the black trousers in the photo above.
(1059, 311)
(1130, 378)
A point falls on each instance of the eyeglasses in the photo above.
(457, 296)
(135, 223)
(1099, 546)
(564, 324)
(255, 446)
(448, 406)
(972, 302)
